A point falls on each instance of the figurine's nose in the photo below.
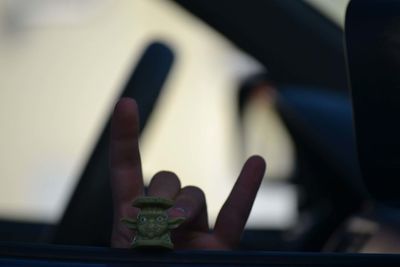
(152, 224)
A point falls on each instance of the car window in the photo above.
(63, 65)
(335, 10)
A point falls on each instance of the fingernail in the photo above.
(182, 210)
(177, 212)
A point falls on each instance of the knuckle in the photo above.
(165, 173)
(194, 191)
(165, 177)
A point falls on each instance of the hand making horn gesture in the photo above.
(190, 202)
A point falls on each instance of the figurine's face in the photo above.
(152, 223)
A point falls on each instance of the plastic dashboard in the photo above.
(50, 255)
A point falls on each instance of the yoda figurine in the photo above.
(152, 224)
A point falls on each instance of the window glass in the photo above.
(335, 10)
(62, 66)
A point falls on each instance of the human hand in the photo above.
(190, 202)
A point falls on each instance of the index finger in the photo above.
(234, 213)
(125, 164)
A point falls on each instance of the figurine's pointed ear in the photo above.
(175, 222)
(131, 224)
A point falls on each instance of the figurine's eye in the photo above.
(142, 219)
(160, 218)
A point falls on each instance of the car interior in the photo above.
(334, 93)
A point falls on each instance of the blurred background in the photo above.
(63, 64)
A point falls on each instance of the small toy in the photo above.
(152, 224)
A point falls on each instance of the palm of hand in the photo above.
(190, 202)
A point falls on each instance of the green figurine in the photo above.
(152, 224)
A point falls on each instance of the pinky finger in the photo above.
(235, 211)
